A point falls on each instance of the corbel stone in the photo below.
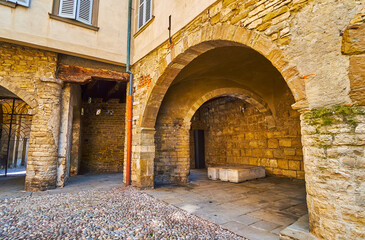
(52, 80)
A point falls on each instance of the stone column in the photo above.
(172, 160)
(44, 136)
(334, 160)
(65, 136)
(143, 154)
(76, 140)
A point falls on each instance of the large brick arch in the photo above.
(27, 97)
(240, 93)
(208, 38)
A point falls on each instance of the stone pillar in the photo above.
(44, 136)
(65, 137)
(182, 168)
(172, 160)
(143, 154)
(334, 157)
(76, 131)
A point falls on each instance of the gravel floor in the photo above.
(120, 213)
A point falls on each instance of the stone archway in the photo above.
(239, 93)
(208, 38)
(27, 97)
(156, 78)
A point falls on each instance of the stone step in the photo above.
(236, 174)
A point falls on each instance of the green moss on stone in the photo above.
(326, 116)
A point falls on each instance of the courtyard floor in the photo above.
(97, 207)
(257, 210)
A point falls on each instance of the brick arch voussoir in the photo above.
(27, 97)
(240, 93)
(210, 37)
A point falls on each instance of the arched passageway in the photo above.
(15, 127)
(15, 124)
(214, 88)
(240, 104)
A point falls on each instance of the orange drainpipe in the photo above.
(129, 100)
(129, 140)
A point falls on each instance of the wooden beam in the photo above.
(82, 75)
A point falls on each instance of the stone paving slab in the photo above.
(257, 209)
(249, 232)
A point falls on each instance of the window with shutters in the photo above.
(79, 12)
(14, 3)
(144, 12)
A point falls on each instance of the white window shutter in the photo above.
(141, 14)
(24, 3)
(84, 11)
(148, 11)
(67, 9)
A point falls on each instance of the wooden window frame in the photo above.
(94, 18)
(138, 30)
(12, 4)
(8, 4)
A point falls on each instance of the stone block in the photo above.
(353, 41)
(213, 173)
(223, 174)
(240, 173)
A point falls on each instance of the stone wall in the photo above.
(103, 136)
(30, 74)
(233, 137)
(334, 143)
(353, 44)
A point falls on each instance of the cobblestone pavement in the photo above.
(87, 210)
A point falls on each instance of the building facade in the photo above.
(278, 84)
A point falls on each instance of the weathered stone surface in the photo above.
(357, 79)
(333, 167)
(353, 41)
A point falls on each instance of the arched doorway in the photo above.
(267, 134)
(15, 122)
(15, 125)
(15, 128)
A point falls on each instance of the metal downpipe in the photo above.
(129, 100)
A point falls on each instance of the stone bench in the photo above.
(236, 174)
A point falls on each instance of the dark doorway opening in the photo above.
(199, 149)
(102, 132)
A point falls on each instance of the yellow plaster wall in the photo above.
(33, 27)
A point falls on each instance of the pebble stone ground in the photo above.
(116, 213)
